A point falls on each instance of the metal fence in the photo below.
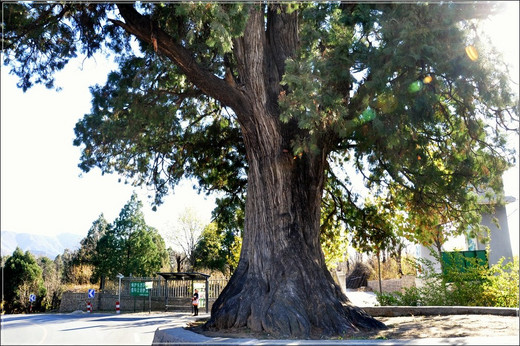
(174, 289)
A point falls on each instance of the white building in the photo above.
(499, 243)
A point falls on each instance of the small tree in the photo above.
(87, 251)
(51, 281)
(176, 259)
(22, 277)
(186, 235)
(216, 250)
(129, 246)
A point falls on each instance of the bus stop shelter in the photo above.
(187, 276)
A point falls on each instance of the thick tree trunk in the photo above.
(281, 285)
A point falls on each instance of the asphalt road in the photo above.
(85, 329)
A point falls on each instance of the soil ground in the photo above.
(413, 327)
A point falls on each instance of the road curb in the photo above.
(175, 335)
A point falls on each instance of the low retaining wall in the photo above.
(394, 311)
(107, 302)
(74, 301)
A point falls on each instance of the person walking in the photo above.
(195, 302)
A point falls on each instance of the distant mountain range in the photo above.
(39, 245)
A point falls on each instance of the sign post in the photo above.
(138, 289)
(32, 299)
(119, 276)
(149, 285)
(91, 293)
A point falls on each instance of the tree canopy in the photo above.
(270, 103)
(216, 250)
(129, 246)
(21, 276)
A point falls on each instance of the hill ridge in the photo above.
(38, 244)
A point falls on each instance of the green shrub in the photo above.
(501, 285)
(387, 299)
(476, 285)
(410, 297)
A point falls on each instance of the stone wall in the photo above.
(106, 302)
(73, 301)
(393, 285)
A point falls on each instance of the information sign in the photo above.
(202, 293)
(138, 289)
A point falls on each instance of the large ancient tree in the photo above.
(270, 101)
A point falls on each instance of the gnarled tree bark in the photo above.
(281, 285)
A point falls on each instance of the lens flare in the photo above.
(415, 87)
(472, 53)
(368, 115)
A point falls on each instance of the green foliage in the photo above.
(333, 237)
(388, 299)
(477, 285)
(87, 251)
(66, 262)
(129, 246)
(51, 278)
(410, 297)
(216, 250)
(21, 277)
(410, 127)
(41, 38)
(501, 286)
(156, 140)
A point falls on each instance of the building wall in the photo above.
(500, 244)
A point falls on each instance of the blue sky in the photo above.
(42, 191)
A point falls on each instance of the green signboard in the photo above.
(462, 261)
(138, 289)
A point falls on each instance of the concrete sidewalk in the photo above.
(361, 298)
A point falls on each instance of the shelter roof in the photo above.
(184, 276)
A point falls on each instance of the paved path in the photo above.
(164, 328)
(85, 329)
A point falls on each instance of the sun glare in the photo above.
(503, 29)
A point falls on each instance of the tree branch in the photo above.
(141, 27)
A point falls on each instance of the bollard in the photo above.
(117, 308)
(89, 307)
